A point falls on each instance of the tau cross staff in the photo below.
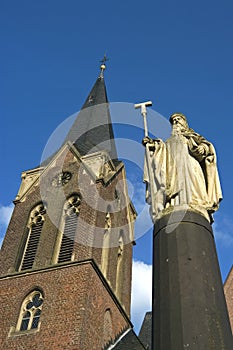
(144, 113)
(148, 171)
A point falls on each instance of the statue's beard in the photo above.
(178, 129)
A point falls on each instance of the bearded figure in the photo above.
(181, 173)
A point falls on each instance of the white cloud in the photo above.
(141, 292)
(223, 231)
(5, 215)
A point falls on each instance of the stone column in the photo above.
(189, 308)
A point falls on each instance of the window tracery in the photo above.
(34, 227)
(70, 220)
(30, 312)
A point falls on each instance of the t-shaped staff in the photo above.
(143, 106)
(148, 172)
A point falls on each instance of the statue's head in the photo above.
(179, 119)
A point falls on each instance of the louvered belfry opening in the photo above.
(35, 225)
(32, 245)
(71, 212)
(68, 238)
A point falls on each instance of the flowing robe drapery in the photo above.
(178, 175)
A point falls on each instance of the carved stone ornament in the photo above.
(108, 222)
(99, 164)
(61, 179)
(37, 215)
(28, 178)
(73, 205)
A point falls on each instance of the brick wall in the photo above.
(90, 229)
(228, 290)
(75, 302)
(82, 309)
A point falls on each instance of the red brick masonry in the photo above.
(76, 298)
(228, 290)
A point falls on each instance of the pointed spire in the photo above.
(98, 93)
(92, 130)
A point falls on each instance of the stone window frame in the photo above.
(30, 311)
(68, 206)
(35, 222)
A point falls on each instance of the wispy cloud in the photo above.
(5, 215)
(139, 195)
(223, 230)
(141, 292)
(143, 222)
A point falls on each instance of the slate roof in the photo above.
(92, 129)
(129, 342)
(146, 331)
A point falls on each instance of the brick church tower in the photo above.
(65, 263)
(228, 290)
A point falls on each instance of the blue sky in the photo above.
(179, 54)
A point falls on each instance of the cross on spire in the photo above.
(103, 65)
(104, 59)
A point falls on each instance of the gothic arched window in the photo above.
(29, 317)
(68, 229)
(34, 227)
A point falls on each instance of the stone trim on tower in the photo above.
(106, 243)
(120, 253)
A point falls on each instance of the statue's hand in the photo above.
(146, 140)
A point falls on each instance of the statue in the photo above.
(181, 173)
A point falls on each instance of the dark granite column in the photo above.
(189, 308)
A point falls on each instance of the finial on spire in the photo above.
(103, 66)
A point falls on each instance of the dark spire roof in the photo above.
(145, 334)
(92, 130)
(130, 342)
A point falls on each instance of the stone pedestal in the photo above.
(189, 308)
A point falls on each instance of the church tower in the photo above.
(228, 290)
(65, 263)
